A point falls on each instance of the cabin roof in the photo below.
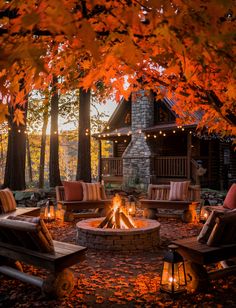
(119, 132)
(166, 127)
(112, 128)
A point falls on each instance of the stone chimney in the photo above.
(137, 156)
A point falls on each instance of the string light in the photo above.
(99, 136)
(164, 134)
(55, 132)
(182, 129)
(108, 127)
(160, 132)
(19, 130)
(155, 136)
(118, 134)
(125, 140)
(190, 132)
(116, 141)
(145, 137)
(140, 132)
(148, 135)
(173, 131)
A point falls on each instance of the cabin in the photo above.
(148, 147)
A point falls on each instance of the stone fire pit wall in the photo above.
(143, 238)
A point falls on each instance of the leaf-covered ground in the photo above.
(107, 279)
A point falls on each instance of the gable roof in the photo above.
(113, 129)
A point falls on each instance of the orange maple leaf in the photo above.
(3, 112)
(19, 117)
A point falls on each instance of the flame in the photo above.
(118, 217)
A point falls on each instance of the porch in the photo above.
(163, 169)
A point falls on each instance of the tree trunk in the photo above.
(43, 147)
(16, 154)
(84, 155)
(54, 171)
(29, 162)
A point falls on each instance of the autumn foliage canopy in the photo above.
(182, 49)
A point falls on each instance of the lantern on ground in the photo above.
(204, 214)
(131, 206)
(49, 213)
(173, 276)
(60, 213)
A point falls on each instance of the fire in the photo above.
(118, 217)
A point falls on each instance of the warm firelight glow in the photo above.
(118, 217)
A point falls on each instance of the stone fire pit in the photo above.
(145, 236)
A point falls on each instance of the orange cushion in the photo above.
(73, 190)
(230, 199)
(7, 201)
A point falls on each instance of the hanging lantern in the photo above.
(49, 213)
(131, 206)
(173, 276)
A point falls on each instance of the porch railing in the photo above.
(163, 166)
(112, 166)
(170, 166)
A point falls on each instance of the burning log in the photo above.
(126, 220)
(116, 218)
(105, 221)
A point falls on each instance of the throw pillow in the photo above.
(179, 191)
(73, 190)
(42, 238)
(208, 227)
(224, 231)
(7, 200)
(230, 199)
(91, 191)
(1, 208)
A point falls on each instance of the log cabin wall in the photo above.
(119, 148)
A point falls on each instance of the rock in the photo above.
(41, 203)
(21, 195)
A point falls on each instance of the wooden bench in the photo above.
(188, 208)
(198, 255)
(29, 211)
(15, 239)
(71, 207)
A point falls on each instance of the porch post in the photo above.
(189, 155)
(99, 160)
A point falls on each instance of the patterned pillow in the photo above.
(224, 231)
(208, 227)
(179, 191)
(43, 239)
(91, 191)
(7, 201)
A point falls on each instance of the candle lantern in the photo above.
(49, 213)
(204, 214)
(131, 205)
(173, 276)
(60, 213)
